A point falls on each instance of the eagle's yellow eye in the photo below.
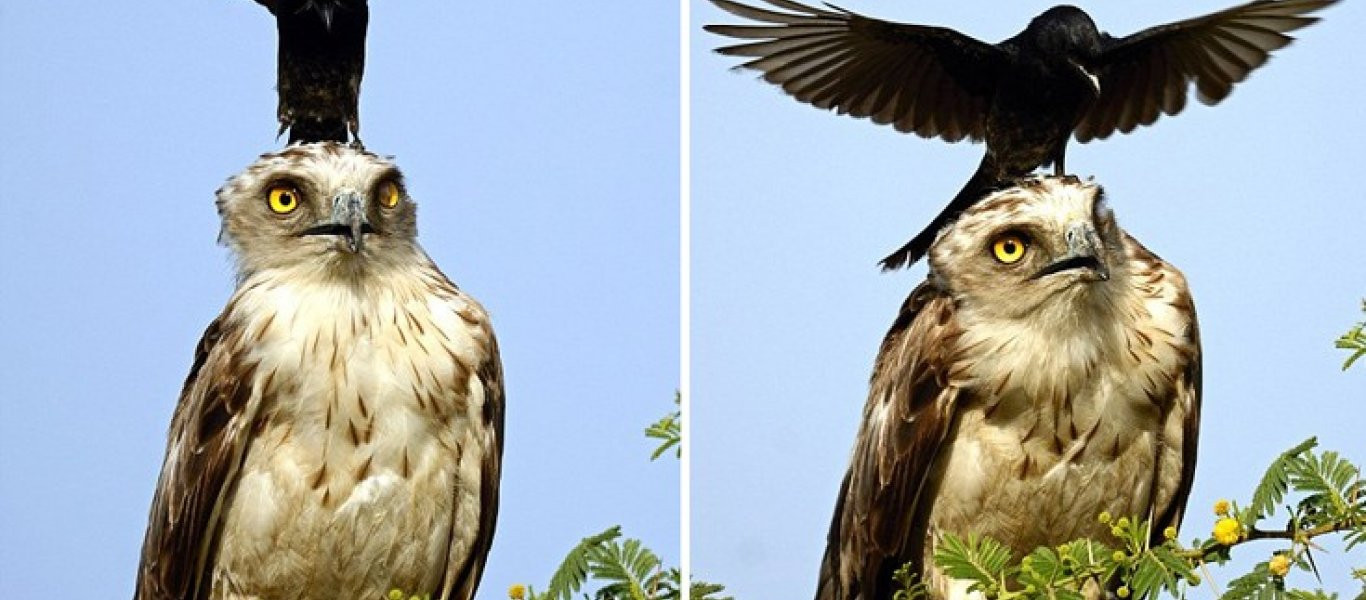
(388, 194)
(283, 198)
(1009, 248)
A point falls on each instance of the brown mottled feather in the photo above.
(909, 411)
(462, 580)
(204, 451)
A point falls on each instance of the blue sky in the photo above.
(1257, 200)
(541, 147)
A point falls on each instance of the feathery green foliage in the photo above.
(1354, 340)
(625, 568)
(1276, 481)
(574, 570)
(668, 430)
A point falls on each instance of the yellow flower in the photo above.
(1123, 591)
(395, 594)
(1221, 508)
(1118, 556)
(1227, 531)
(1280, 565)
(1169, 533)
(1104, 517)
(517, 591)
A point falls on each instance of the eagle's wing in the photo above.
(1182, 427)
(462, 577)
(1147, 74)
(877, 523)
(204, 451)
(932, 81)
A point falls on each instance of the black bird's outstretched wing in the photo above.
(321, 62)
(932, 81)
(1147, 74)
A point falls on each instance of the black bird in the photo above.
(320, 64)
(1024, 96)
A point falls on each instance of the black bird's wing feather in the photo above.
(931, 81)
(1145, 75)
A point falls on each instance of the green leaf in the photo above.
(1269, 493)
(982, 561)
(1257, 585)
(668, 429)
(573, 571)
(1041, 568)
(908, 585)
(1331, 484)
(1354, 340)
(1157, 569)
(631, 569)
(701, 590)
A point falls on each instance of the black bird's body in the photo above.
(1025, 96)
(320, 64)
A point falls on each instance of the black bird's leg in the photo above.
(1059, 169)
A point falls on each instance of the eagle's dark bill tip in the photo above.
(354, 242)
(1084, 262)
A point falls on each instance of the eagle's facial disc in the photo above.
(323, 209)
(1048, 244)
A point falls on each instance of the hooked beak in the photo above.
(1083, 252)
(348, 219)
(1089, 76)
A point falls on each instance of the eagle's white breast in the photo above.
(1067, 421)
(363, 473)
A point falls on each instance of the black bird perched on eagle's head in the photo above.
(1024, 96)
(321, 62)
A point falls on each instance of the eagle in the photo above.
(340, 432)
(320, 63)
(1025, 96)
(1046, 371)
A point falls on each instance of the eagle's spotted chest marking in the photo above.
(359, 424)
(1060, 432)
(358, 411)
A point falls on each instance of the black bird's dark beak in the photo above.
(1089, 76)
(326, 9)
(1083, 252)
(348, 219)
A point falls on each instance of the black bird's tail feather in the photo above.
(986, 179)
